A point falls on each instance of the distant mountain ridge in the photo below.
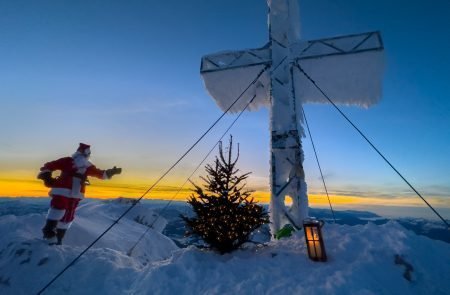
(429, 228)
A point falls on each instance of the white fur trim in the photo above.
(76, 186)
(63, 225)
(65, 192)
(55, 214)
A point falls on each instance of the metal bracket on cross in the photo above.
(342, 45)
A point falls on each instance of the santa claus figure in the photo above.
(68, 189)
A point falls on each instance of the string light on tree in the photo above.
(224, 192)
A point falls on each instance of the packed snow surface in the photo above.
(361, 260)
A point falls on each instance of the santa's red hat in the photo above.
(84, 149)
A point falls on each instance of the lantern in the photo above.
(314, 240)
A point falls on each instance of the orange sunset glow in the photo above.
(29, 187)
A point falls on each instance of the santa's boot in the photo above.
(60, 235)
(49, 230)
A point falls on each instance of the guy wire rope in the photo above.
(130, 252)
(370, 143)
(159, 179)
(318, 163)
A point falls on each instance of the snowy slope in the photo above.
(361, 260)
(27, 263)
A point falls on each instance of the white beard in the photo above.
(80, 162)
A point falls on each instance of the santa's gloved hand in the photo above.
(113, 171)
(46, 176)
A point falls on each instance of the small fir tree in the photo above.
(225, 212)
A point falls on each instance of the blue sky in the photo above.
(124, 77)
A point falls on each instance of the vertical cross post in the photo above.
(287, 176)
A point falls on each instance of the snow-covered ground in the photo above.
(361, 258)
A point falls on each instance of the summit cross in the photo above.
(348, 67)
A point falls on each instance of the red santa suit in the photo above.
(69, 188)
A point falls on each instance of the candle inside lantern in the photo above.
(314, 240)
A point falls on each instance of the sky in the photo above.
(124, 77)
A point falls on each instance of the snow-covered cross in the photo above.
(348, 68)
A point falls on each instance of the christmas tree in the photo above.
(225, 212)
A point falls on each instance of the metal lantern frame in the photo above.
(314, 239)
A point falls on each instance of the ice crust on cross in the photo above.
(350, 80)
(348, 68)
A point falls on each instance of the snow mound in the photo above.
(27, 263)
(362, 259)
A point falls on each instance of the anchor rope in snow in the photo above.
(318, 163)
(157, 181)
(370, 143)
(130, 252)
